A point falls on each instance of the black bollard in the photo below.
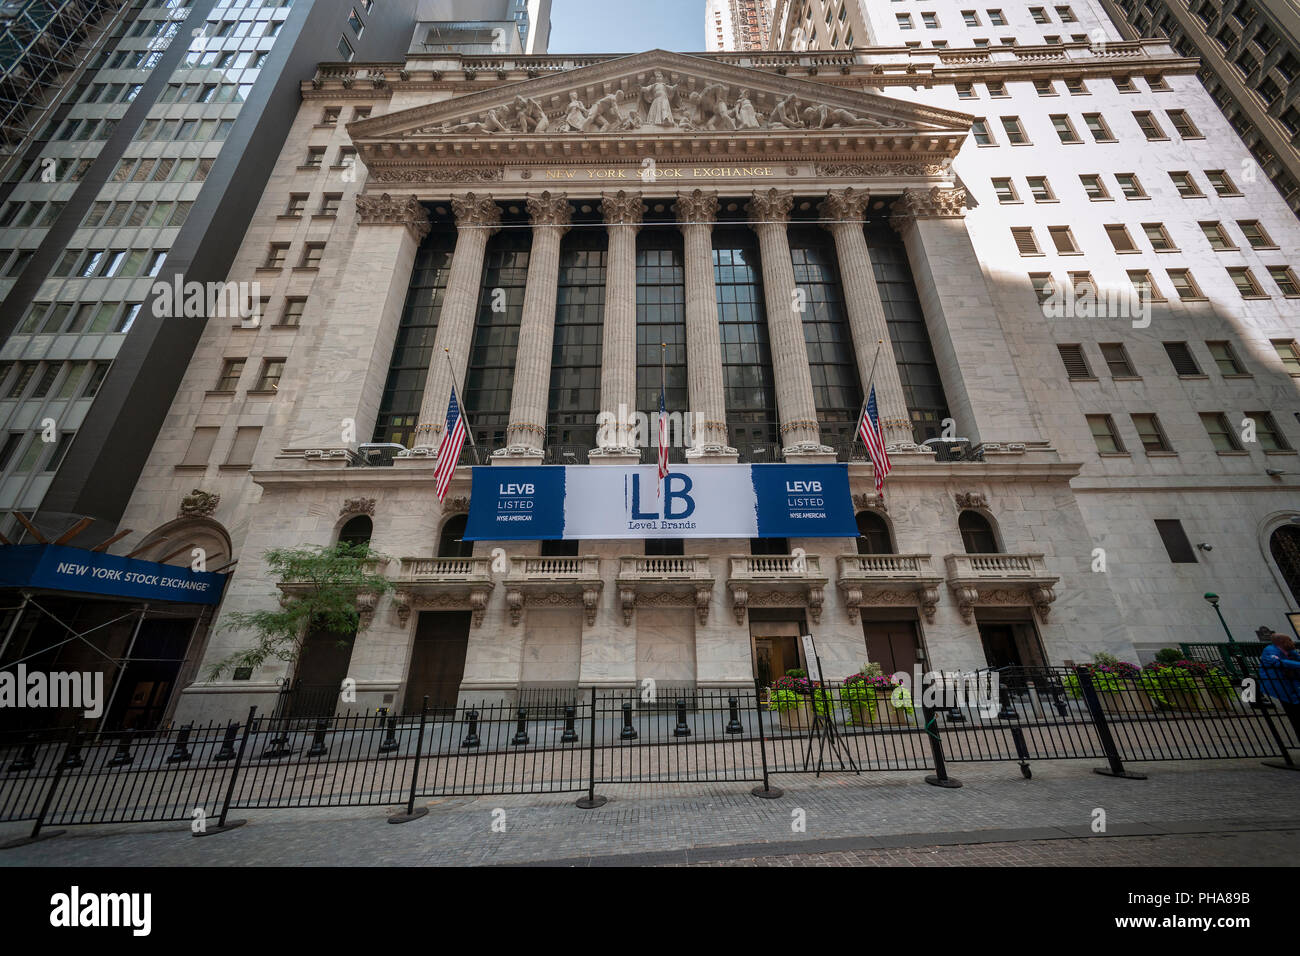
(26, 759)
(389, 743)
(521, 728)
(227, 751)
(471, 737)
(73, 758)
(278, 747)
(629, 732)
(318, 748)
(1022, 752)
(681, 730)
(1008, 709)
(570, 715)
(734, 726)
(181, 750)
(123, 756)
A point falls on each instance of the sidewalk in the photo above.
(666, 824)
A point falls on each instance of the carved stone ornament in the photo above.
(660, 106)
(696, 206)
(621, 208)
(199, 504)
(771, 206)
(866, 502)
(385, 210)
(971, 500)
(844, 205)
(549, 209)
(436, 174)
(860, 170)
(458, 504)
(934, 203)
(358, 506)
(481, 211)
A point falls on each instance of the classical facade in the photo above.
(761, 236)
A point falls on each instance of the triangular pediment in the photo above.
(660, 97)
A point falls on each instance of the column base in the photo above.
(622, 455)
(809, 453)
(518, 455)
(712, 455)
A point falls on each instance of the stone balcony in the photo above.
(554, 582)
(366, 600)
(664, 581)
(776, 580)
(1000, 580)
(443, 584)
(888, 580)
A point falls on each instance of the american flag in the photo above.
(453, 440)
(663, 441)
(869, 429)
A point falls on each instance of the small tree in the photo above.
(325, 582)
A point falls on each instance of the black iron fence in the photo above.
(571, 740)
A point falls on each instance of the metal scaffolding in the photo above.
(40, 42)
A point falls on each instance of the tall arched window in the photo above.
(1284, 545)
(873, 534)
(977, 533)
(451, 543)
(357, 530)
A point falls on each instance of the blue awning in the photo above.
(57, 568)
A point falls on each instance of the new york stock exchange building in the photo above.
(761, 237)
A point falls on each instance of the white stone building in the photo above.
(918, 196)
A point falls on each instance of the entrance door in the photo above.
(437, 660)
(776, 649)
(150, 674)
(318, 678)
(1000, 647)
(891, 644)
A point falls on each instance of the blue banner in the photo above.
(59, 568)
(693, 501)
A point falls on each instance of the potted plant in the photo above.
(791, 707)
(859, 698)
(893, 700)
(1117, 683)
(1173, 686)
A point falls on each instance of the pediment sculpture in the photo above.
(662, 106)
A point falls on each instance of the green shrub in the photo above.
(1168, 655)
(783, 700)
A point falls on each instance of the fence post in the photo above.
(764, 792)
(591, 801)
(940, 776)
(59, 767)
(1116, 768)
(412, 813)
(222, 824)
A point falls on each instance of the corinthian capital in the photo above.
(844, 205)
(549, 209)
(696, 207)
(771, 206)
(472, 210)
(621, 208)
(933, 203)
(386, 210)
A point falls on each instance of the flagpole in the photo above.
(455, 390)
(866, 395)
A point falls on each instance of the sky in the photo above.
(626, 26)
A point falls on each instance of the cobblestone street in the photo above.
(1207, 813)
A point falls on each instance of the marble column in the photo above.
(618, 338)
(696, 212)
(477, 218)
(842, 214)
(769, 213)
(526, 432)
(975, 356)
(350, 355)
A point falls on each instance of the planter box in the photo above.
(1181, 698)
(887, 713)
(1212, 701)
(1131, 700)
(796, 718)
(858, 714)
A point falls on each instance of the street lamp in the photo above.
(1214, 603)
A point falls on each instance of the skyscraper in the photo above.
(737, 24)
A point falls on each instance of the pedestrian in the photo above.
(1279, 673)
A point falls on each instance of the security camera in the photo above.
(1202, 546)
